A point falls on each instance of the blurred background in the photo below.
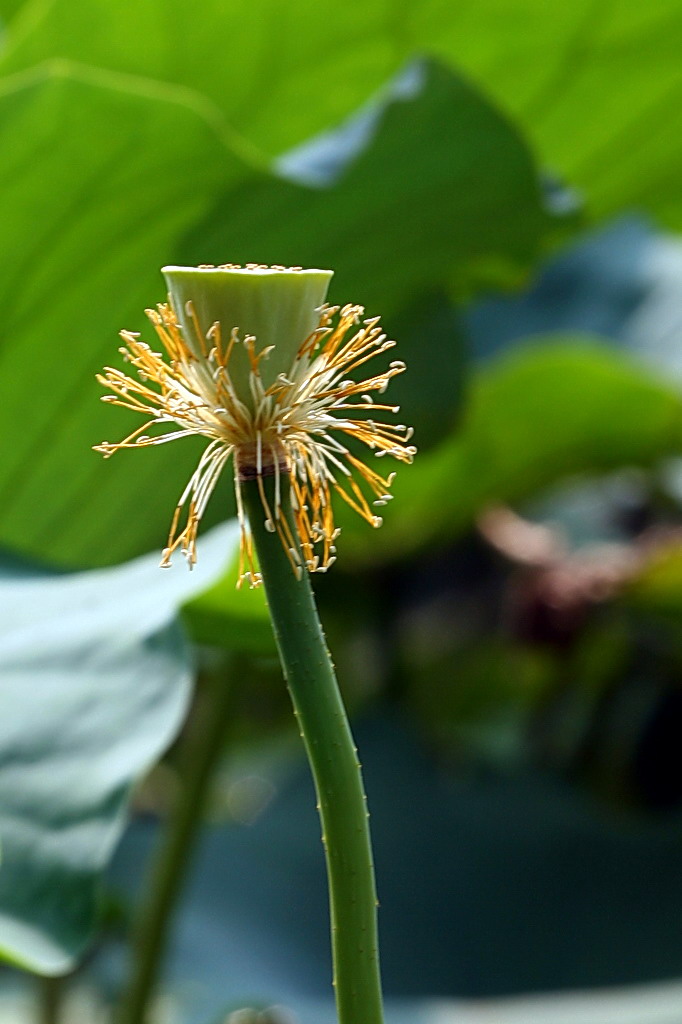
(501, 182)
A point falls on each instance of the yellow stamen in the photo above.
(294, 427)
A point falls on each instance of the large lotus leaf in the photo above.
(420, 212)
(101, 186)
(96, 675)
(444, 193)
(97, 182)
(555, 407)
(597, 86)
(8, 9)
(277, 71)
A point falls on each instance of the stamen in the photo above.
(289, 426)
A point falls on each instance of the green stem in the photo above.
(201, 752)
(336, 771)
(50, 999)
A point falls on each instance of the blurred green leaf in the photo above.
(551, 409)
(277, 71)
(101, 183)
(432, 391)
(445, 195)
(443, 198)
(8, 10)
(596, 86)
(225, 616)
(96, 677)
(96, 185)
(658, 586)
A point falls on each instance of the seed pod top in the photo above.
(278, 306)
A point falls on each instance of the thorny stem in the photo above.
(336, 771)
(202, 749)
